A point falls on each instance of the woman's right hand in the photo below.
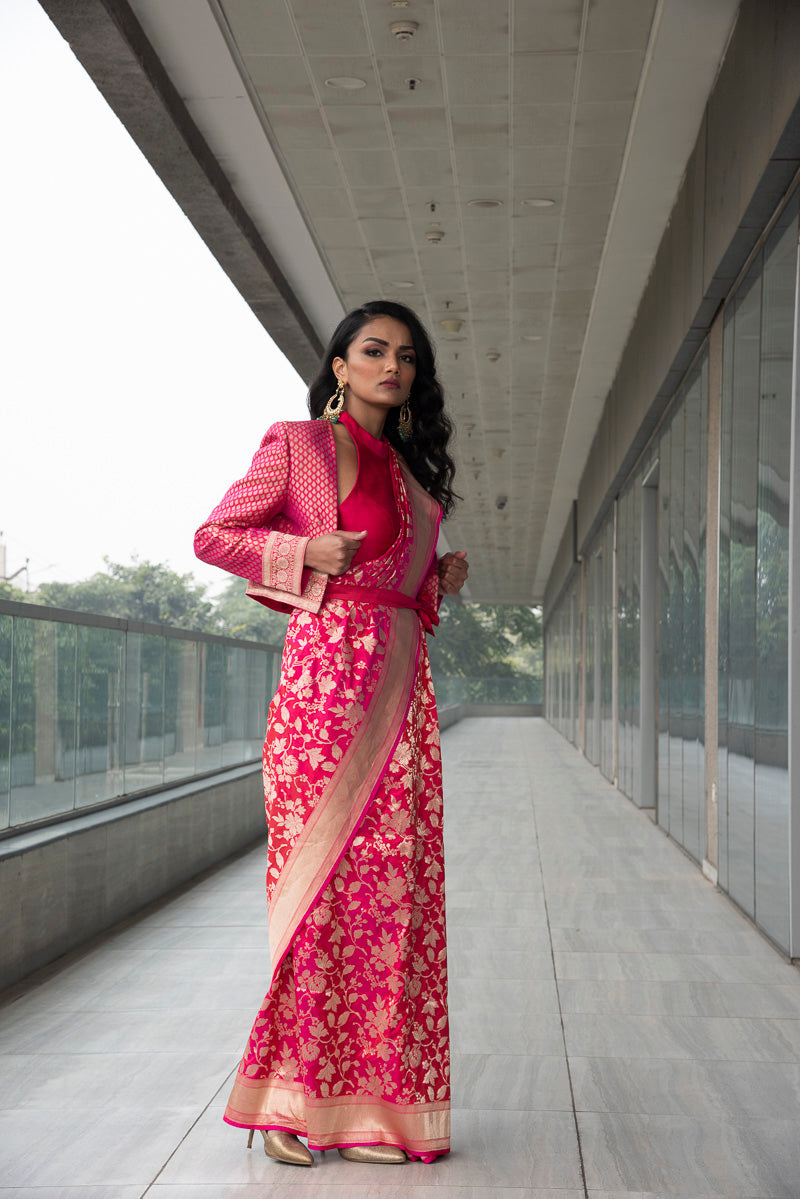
(332, 553)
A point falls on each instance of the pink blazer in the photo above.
(261, 527)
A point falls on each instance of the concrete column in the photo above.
(711, 716)
(794, 645)
(597, 665)
(582, 680)
(615, 645)
(648, 642)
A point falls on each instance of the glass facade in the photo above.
(753, 709)
(628, 633)
(677, 461)
(661, 519)
(598, 591)
(681, 615)
(563, 664)
(91, 710)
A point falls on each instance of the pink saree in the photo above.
(351, 1044)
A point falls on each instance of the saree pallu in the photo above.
(351, 1044)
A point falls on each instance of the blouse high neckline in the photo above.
(364, 438)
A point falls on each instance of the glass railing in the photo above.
(93, 709)
(451, 690)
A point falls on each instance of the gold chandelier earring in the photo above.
(335, 405)
(404, 425)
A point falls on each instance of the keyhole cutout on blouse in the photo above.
(371, 502)
(346, 461)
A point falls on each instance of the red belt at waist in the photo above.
(370, 595)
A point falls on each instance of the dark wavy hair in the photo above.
(426, 452)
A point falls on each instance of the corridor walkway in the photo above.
(618, 1029)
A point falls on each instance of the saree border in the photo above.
(421, 1128)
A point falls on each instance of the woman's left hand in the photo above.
(453, 571)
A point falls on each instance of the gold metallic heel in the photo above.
(379, 1155)
(283, 1147)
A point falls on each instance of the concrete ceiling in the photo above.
(543, 139)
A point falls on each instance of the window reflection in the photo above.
(754, 583)
(101, 663)
(6, 635)
(89, 712)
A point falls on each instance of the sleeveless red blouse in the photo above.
(371, 504)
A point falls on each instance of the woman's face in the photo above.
(380, 365)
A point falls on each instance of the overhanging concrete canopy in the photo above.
(321, 158)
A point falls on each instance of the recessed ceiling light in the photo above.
(531, 337)
(484, 203)
(539, 202)
(403, 283)
(345, 83)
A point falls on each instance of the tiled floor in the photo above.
(618, 1028)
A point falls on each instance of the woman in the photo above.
(332, 523)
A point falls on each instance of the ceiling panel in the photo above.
(610, 76)
(261, 26)
(477, 79)
(330, 28)
(281, 80)
(474, 27)
(620, 24)
(544, 78)
(553, 25)
(591, 104)
(422, 128)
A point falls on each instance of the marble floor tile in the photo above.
(142, 1031)
(493, 999)
(675, 1154)
(683, 1033)
(206, 935)
(675, 890)
(510, 1082)
(151, 993)
(462, 939)
(515, 917)
(93, 963)
(694, 1037)
(481, 872)
(320, 1188)
(144, 1081)
(183, 962)
(665, 967)
(490, 1148)
(680, 998)
(615, 938)
(498, 963)
(663, 916)
(506, 1033)
(736, 1091)
(66, 1192)
(593, 1194)
(58, 1148)
(495, 901)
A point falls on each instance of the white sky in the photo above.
(135, 383)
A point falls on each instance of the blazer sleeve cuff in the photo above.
(282, 562)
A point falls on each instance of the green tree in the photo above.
(9, 592)
(240, 616)
(486, 641)
(142, 590)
